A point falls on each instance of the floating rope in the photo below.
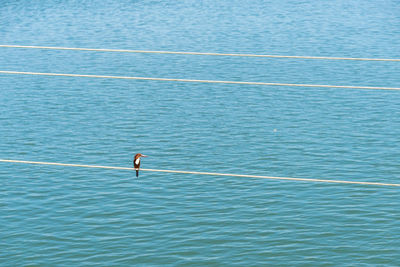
(202, 173)
(197, 81)
(196, 53)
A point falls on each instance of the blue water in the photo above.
(64, 216)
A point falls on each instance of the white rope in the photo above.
(202, 173)
(198, 81)
(196, 53)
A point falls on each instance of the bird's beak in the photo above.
(144, 156)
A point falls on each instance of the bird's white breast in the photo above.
(137, 161)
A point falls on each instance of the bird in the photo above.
(136, 162)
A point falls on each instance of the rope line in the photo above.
(202, 173)
(197, 53)
(198, 81)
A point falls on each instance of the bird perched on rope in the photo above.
(136, 162)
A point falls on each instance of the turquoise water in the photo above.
(64, 216)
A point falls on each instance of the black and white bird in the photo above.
(136, 162)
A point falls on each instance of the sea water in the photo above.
(66, 216)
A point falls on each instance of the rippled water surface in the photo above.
(65, 216)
